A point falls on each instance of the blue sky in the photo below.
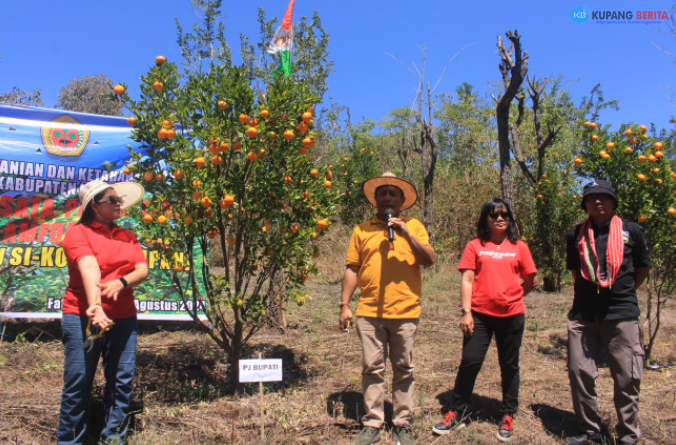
(44, 44)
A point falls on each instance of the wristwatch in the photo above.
(464, 311)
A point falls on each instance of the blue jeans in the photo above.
(118, 349)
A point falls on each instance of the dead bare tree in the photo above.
(513, 72)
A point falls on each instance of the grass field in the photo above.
(180, 389)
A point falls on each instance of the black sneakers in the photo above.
(451, 421)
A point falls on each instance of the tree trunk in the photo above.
(428, 161)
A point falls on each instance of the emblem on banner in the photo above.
(65, 136)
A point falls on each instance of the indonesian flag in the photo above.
(282, 42)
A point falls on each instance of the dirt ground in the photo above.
(180, 393)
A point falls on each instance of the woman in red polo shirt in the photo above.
(104, 263)
(497, 272)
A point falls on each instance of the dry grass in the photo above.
(180, 397)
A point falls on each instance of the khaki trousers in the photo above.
(381, 338)
(622, 344)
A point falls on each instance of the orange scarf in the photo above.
(589, 260)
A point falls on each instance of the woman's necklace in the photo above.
(501, 243)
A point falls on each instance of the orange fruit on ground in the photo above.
(658, 145)
(628, 150)
(221, 104)
(243, 118)
(162, 219)
(628, 132)
(160, 60)
(642, 218)
(265, 114)
(632, 141)
(253, 122)
(314, 172)
(236, 145)
(641, 158)
(288, 134)
(251, 156)
(329, 174)
(216, 160)
(671, 211)
(131, 121)
(149, 176)
(147, 218)
(327, 184)
(200, 162)
(302, 151)
(206, 202)
(308, 142)
(643, 128)
(159, 177)
(157, 85)
(118, 89)
(187, 220)
(659, 154)
(307, 116)
(595, 137)
(610, 145)
(641, 177)
(252, 132)
(126, 171)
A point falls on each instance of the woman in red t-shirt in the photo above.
(104, 263)
(497, 272)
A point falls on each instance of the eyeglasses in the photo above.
(494, 216)
(112, 200)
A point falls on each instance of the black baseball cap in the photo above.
(599, 186)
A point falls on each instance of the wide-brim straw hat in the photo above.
(388, 178)
(131, 192)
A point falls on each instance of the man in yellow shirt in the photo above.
(385, 265)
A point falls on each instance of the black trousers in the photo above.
(508, 333)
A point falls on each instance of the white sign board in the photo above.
(260, 370)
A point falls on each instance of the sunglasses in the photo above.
(112, 200)
(494, 216)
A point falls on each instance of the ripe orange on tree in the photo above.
(149, 176)
(162, 219)
(253, 122)
(187, 220)
(659, 154)
(265, 114)
(196, 183)
(632, 141)
(221, 104)
(147, 219)
(197, 195)
(306, 194)
(206, 201)
(302, 151)
(302, 127)
(288, 179)
(131, 121)
(214, 148)
(160, 60)
(329, 174)
(643, 128)
(314, 172)
(159, 177)
(641, 158)
(307, 116)
(610, 145)
(118, 89)
(642, 218)
(628, 150)
(327, 184)
(236, 145)
(178, 268)
(595, 137)
(652, 158)
(216, 160)
(671, 211)
(308, 142)
(628, 132)
(200, 162)
(167, 124)
(252, 132)
(593, 125)
(641, 177)
(157, 85)
(243, 118)
(288, 134)
(227, 201)
(223, 146)
(251, 156)
(658, 145)
(322, 224)
(126, 171)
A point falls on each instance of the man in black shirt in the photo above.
(609, 260)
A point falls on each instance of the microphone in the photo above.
(389, 214)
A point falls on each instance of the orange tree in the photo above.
(227, 169)
(645, 180)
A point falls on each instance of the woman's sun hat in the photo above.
(131, 192)
(388, 178)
